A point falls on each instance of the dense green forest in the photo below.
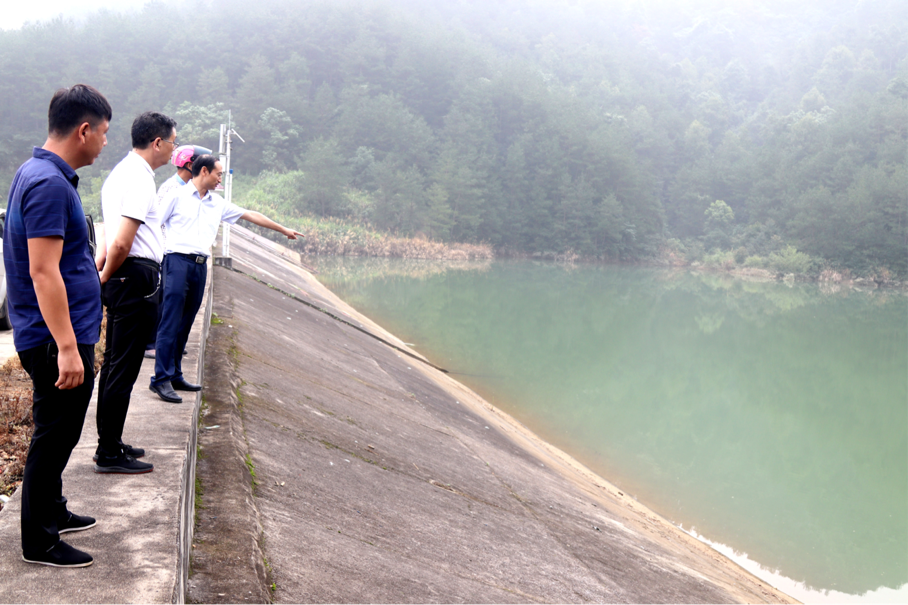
(622, 130)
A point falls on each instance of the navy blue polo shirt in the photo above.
(43, 202)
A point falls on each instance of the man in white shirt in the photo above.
(130, 282)
(182, 158)
(191, 219)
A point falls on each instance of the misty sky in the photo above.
(15, 14)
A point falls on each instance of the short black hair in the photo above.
(149, 126)
(72, 107)
(203, 161)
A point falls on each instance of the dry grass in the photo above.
(387, 246)
(337, 237)
(16, 424)
(99, 348)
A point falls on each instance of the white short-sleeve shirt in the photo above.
(130, 191)
(192, 222)
(169, 188)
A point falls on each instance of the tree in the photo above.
(213, 85)
(326, 177)
(200, 124)
(280, 139)
(717, 224)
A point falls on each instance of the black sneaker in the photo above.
(135, 452)
(61, 555)
(76, 523)
(123, 465)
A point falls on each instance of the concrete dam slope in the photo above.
(335, 465)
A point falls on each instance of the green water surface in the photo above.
(769, 417)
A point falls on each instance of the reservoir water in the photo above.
(769, 419)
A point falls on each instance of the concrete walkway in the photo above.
(140, 541)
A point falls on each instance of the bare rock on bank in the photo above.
(376, 478)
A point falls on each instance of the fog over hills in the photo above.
(621, 130)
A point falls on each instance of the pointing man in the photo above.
(191, 220)
(182, 158)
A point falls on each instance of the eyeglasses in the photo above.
(173, 142)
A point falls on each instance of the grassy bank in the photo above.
(336, 237)
(786, 263)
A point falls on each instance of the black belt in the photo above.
(141, 260)
(199, 259)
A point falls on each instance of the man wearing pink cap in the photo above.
(182, 158)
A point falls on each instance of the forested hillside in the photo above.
(619, 130)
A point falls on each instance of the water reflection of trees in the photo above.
(758, 301)
(363, 271)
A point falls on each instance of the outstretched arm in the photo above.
(261, 220)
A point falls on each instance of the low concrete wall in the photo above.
(187, 485)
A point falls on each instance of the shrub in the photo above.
(740, 255)
(694, 251)
(757, 262)
(723, 259)
(789, 260)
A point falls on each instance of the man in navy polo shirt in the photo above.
(55, 308)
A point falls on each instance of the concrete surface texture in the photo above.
(139, 543)
(336, 468)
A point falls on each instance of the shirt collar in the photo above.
(195, 194)
(50, 156)
(142, 161)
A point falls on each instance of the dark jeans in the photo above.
(185, 279)
(59, 416)
(131, 297)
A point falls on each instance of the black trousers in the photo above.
(59, 416)
(131, 297)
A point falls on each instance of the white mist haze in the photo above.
(16, 14)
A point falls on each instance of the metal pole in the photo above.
(225, 239)
(225, 146)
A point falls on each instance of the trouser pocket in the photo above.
(132, 284)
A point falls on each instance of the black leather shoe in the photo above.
(61, 555)
(180, 384)
(165, 391)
